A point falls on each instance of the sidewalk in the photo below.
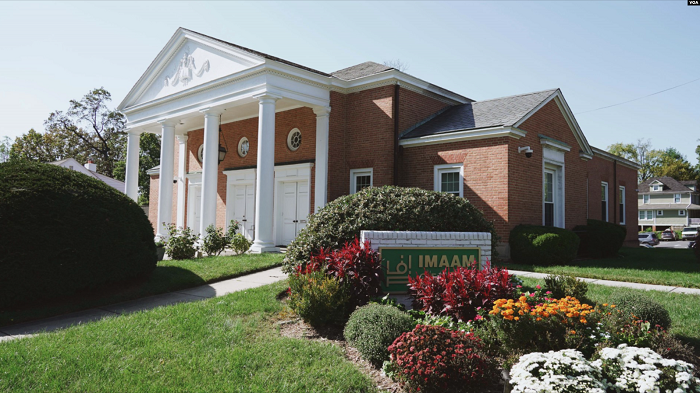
(609, 283)
(207, 291)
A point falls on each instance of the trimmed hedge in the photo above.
(62, 231)
(372, 328)
(600, 239)
(545, 246)
(387, 208)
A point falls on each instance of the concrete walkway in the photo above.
(634, 285)
(202, 292)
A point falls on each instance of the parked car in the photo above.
(689, 233)
(649, 238)
(668, 235)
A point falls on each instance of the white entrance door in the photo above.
(244, 208)
(295, 209)
(195, 207)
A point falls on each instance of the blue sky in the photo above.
(599, 52)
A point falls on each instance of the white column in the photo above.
(210, 169)
(132, 165)
(181, 171)
(265, 184)
(321, 177)
(165, 180)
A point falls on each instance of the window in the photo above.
(449, 178)
(359, 179)
(645, 198)
(659, 213)
(657, 187)
(646, 215)
(676, 198)
(294, 139)
(604, 201)
(621, 200)
(548, 198)
(681, 213)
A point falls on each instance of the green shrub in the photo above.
(601, 239)
(563, 285)
(372, 328)
(62, 231)
(386, 208)
(240, 244)
(319, 299)
(181, 243)
(539, 245)
(643, 308)
(214, 241)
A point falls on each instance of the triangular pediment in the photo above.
(188, 60)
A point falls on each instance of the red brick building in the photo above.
(521, 159)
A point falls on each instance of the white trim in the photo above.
(354, 173)
(559, 189)
(607, 200)
(238, 177)
(623, 202)
(288, 173)
(611, 157)
(194, 181)
(680, 198)
(438, 170)
(464, 135)
(681, 213)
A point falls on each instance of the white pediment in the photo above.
(189, 60)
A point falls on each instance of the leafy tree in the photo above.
(53, 145)
(641, 153)
(5, 146)
(100, 131)
(674, 164)
(149, 156)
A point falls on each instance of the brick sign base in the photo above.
(413, 253)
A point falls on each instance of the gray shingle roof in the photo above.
(360, 70)
(504, 111)
(670, 185)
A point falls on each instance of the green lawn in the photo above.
(168, 276)
(683, 309)
(226, 344)
(664, 266)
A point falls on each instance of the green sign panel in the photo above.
(400, 262)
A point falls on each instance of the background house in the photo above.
(90, 169)
(665, 202)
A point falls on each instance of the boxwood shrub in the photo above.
(372, 328)
(387, 208)
(600, 239)
(539, 245)
(62, 231)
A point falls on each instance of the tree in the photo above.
(641, 153)
(51, 146)
(149, 156)
(5, 147)
(100, 131)
(673, 164)
(398, 64)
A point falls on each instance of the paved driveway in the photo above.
(673, 244)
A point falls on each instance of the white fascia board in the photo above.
(297, 72)
(611, 157)
(568, 116)
(465, 135)
(170, 49)
(584, 156)
(397, 77)
(554, 144)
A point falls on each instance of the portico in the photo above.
(202, 91)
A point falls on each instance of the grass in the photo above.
(226, 344)
(683, 309)
(662, 266)
(168, 276)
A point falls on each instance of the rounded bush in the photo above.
(387, 208)
(600, 239)
(319, 299)
(62, 231)
(372, 328)
(539, 245)
(563, 285)
(643, 308)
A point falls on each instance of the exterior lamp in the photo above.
(222, 150)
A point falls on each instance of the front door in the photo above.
(295, 209)
(195, 207)
(244, 208)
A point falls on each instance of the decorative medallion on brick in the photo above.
(243, 147)
(294, 139)
(200, 153)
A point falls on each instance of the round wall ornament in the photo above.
(243, 147)
(200, 153)
(294, 139)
